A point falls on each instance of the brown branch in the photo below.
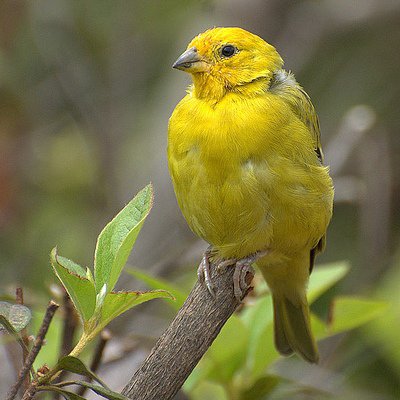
(51, 309)
(28, 395)
(69, 326)
(68, 333)
(186, 340)
(105, 336)
(19, 296)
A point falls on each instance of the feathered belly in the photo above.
(244, 207)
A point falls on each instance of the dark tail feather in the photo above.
(292, 329)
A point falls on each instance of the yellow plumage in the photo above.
(246, 163)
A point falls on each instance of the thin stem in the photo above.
(51, 309)
(69, 326)
(105, 336)
(19, 297)
(83, 341)
(68, 333)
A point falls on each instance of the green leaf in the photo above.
(351, 312)
(260, 388)
(318, 327)
(75, 365)
(263, 352)
(73, 277)
(5, 325)
(100, 297)
(65, 393)
(116, 240)
(158, 283)
(208, 390)
(16, 314)
(117, 303)
(104, 392)
(258, 319)
(226, 354)
(324, 277)
(383, 333)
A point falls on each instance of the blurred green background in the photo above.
(86, 90)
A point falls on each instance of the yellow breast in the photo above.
(241, 171)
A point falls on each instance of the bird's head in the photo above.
(227, 59)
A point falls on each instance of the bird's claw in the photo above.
(242, 267)
(239, 279)
(203, 272)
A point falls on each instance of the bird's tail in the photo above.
(292, 328)
(291, 312)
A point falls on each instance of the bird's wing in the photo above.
(285, 84)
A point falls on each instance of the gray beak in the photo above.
(186, 60)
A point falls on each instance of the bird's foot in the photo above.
(203, 272)
(242, 267)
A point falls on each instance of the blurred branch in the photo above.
(186, 340)
(19, 295)
(357, 122)
(69, 326)
(68, 333)
(375, 204)
(51, 309)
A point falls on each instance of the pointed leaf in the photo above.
(351, 312)
(117, 303)
(159, 283)
(208, 390)
(16, 314)
(258, 319)
(116, 240)
(226, 354)
(73, 277)
(65, 393)
(261, 388)
(263, 352)
(6, 326)
(73, 364)
(324, 277)
(104, 392)
(319, 327)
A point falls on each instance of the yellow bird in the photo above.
(245, 159)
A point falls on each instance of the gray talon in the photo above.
(221, 268)
(203, 272)
(242, 267)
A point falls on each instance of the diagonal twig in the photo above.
(19, 296)
(186, 340)
(51, 309)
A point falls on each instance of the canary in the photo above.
(246, 162)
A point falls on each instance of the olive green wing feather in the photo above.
(284, 83)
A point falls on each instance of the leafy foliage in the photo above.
(73, 364)
(92, 295)
(116, 240)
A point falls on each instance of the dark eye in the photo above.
(228, 50)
